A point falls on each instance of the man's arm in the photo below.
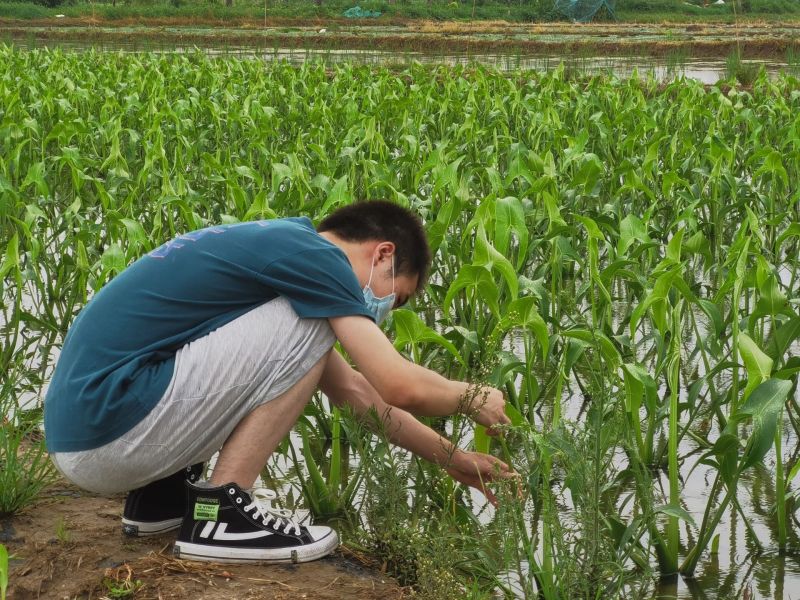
(345, 386)
(412, 387)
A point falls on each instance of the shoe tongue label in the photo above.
(206, 509)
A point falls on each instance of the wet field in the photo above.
(745, 561)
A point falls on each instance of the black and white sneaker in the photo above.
(227, 524)
(159, 506)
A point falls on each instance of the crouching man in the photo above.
(215, 342)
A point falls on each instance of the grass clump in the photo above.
(122, 587)
(793, 60)
(420, 529)
(739, 70)
(63, 533)
(25, 467)
(675, 62)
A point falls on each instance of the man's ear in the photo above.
(385, 250)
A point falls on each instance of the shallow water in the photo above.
(705, 70)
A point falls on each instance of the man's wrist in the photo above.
(469, 402)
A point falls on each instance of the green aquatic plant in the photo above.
(329, 493)
(793, 60)
(3, 571)
(618, 255)
(675, 62)
(737, 69)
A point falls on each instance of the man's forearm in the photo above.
(345, 386)
(404, 430)
(437, 396)
(403, 384)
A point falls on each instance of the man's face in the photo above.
(404, 285)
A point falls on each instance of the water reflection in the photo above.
(768, 576)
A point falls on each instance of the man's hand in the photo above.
(345, 386)
(487, 407)
(477, 470)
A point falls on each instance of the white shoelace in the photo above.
(263, 509)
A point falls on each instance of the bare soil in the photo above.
(69, 545)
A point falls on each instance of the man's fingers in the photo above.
(487, 462)
(509, 475)
(498, 421)
(497, 469)
(504, 466)
(500, 471)
(501, 422)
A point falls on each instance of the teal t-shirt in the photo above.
(118, 357)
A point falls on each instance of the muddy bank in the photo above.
(249, 22)
(69, 545)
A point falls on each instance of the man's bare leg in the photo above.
(255, 438)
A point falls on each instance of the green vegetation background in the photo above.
(511, 10)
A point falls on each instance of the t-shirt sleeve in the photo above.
(319, 283)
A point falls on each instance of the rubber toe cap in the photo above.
(320, 532)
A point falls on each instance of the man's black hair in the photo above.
(385, 221)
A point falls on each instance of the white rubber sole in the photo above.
(147, 528)
(225, 554)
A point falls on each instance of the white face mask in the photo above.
(379, 307)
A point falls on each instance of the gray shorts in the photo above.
(218, 380)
